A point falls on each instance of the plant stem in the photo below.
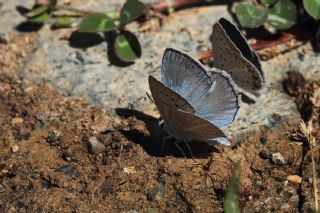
(72, 9)
(314, 176)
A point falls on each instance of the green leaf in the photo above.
(112, 14)
(231, 201)
(268, 2)
(40, 18)
(127, 46)
(96, 22)
(37, 11)
(312, 7)
(250, 16)
(282, 15)
(130, 11)
(64, 21)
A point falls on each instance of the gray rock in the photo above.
(95, 146)
(53, 136)
(278, 159)
(265, 154)
(69, 170)
(157, 193)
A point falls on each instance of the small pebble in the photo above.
(105, 189)
(14, 148)
(95, 147)
(157, 193)
(4, 86)
(69, 170)
(295, 179)
(16, 120)
(129, 170)
(2, 188)
(285, 206)
(53, 136)
(40, 116)
(266, 154)
(278, 159)
(4, 38)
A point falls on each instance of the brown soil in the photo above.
(54, 171)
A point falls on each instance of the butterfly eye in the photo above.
(161, 124)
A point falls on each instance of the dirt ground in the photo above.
(46, 164)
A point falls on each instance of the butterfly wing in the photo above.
(213, 95)
(241, 42)
(221, 102)
(184, 75)
(192, 127)
(238, 60)
(166, 100)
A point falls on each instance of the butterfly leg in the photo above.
(187, 145)
(165, 139)
(176, 143)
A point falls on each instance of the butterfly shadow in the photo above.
(153, 143)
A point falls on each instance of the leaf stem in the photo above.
(72, 9)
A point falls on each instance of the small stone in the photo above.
(95, 147)
(105, 189)
(295, 179)
(157, 193)
(69, 170)
(278, 159)
(265, 154)
(53, 136)
(4, 38)
(129, 170)
(14, 148)
(17, 120)
(285, 206)
(2, 188)
(4, 86)
(41, 117)
(263, 140)
(259, 183)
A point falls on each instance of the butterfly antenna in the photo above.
(150, 97)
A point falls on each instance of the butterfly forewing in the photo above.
(184, 75)
(229, 58)
(166, 100)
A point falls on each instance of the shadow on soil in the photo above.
(152, 140)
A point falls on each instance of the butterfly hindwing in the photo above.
(193, 127)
